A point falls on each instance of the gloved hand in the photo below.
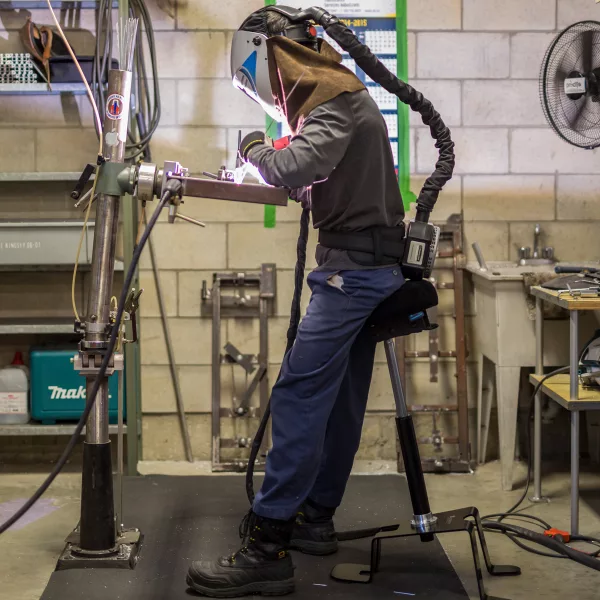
(251, 141)
(303, 196)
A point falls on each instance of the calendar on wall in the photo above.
(374, 23)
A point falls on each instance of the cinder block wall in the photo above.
(477, 60)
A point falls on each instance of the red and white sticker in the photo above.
(115, 107)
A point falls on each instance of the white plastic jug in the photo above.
(14, 392)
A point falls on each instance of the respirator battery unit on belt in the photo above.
(420, 250)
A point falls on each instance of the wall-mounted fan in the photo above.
(570, 84)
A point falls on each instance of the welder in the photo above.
(340, 163)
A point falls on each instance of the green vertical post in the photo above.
(403, 109)
(132, 351)
(270, 211)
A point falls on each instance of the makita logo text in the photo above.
(59, 393)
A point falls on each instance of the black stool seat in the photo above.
(404, 312)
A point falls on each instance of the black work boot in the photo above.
(314, 532)
(261, 566)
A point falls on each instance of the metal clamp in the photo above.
(89, 364)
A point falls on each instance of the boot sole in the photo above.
(314, 548)
(258, 588)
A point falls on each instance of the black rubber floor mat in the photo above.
(190, 518)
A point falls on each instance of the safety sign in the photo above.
(114, 107)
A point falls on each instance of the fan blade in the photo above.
(587, 52)
(561, 74)
(580, 110)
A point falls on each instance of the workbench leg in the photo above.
(575, 418)
(507, 386)
(485, 399)
(537, 419)
(480, 419)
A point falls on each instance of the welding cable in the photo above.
(172, 188)
(553, 544)
(98, 124)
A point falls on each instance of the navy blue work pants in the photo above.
(318, 404)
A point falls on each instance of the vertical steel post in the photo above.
(461, 352)
(97, 527)
(574, 387)
(216, 371)
(410, 450)
(537, 422)
(263, 359)
(130, 215)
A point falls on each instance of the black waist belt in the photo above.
(382, 242)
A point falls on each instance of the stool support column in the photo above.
(423, 518)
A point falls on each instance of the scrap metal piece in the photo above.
(244, 360)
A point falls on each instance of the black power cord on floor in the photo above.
(172, 188)
(553, 541)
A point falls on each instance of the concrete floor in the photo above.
(29, 554)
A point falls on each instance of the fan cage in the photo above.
(575, 121)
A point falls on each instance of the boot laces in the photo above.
(245, 529)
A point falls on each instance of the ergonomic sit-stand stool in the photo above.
(404, 313)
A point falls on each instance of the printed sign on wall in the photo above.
(374, 23)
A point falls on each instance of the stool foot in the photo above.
(464, 519)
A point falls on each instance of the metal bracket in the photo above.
(124, 555)
(244, 360)
(89, 364)
(85, 177)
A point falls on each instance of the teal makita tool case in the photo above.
(58, 391)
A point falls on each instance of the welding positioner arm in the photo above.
(147, 181)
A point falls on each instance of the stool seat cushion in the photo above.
(399, 315)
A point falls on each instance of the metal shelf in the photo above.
(36, 326)
(558, 388)
(71, 4)
(33, 177)
(84, 268)
(35, 89)
(39, 429)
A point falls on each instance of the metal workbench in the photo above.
(563, 389)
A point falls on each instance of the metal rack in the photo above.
(453, 259)
(42, 326)
(239, 303)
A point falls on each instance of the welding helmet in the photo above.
(249, 56)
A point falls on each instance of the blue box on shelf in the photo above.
(58, 391)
